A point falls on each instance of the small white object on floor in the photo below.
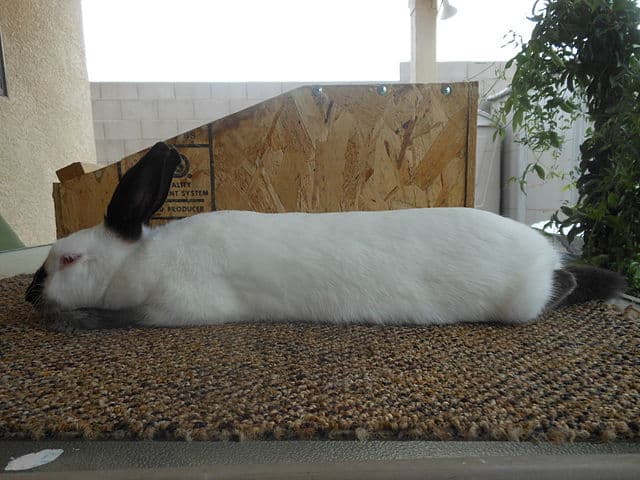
(33, 460)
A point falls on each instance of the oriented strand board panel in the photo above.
(314, 149)
(349, 148)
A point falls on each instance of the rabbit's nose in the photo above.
(34, 291)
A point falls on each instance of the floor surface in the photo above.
(83, 455)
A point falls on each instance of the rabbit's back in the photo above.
(440, 265)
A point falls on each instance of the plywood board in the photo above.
(348, 148)
(314, 149)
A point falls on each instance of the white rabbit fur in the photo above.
(426, 266)
(423, 266)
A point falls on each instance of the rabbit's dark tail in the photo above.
(583, 283)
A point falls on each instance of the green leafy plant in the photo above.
(583, 59)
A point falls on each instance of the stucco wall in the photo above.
(45, 122)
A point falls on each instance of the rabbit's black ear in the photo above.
(142, 191)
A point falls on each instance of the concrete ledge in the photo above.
(117, 456)
(494, 468)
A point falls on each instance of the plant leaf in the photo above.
(539, 170)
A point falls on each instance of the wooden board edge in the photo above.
(57, 208)
(472, 134)
(76, 169)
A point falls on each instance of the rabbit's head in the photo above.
(80, 267)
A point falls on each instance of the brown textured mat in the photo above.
(574, 375)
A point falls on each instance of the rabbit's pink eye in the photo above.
(66, 260)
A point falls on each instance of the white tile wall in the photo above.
(152, 91)
(122, 129)
(210, 109)
(98, 130)
(263, 90)
(106, 109)
(175, 109)
(483, 70)
(118, 91)
(490, 86)
(140, 109)
(193, 91)
(109, 151)
(228, 90)
(452, 72)
(405, 72)
(159, 128)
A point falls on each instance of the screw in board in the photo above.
(446, 90)
(382, 90)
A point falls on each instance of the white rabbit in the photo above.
(419, 266)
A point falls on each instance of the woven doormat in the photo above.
(572, 376)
